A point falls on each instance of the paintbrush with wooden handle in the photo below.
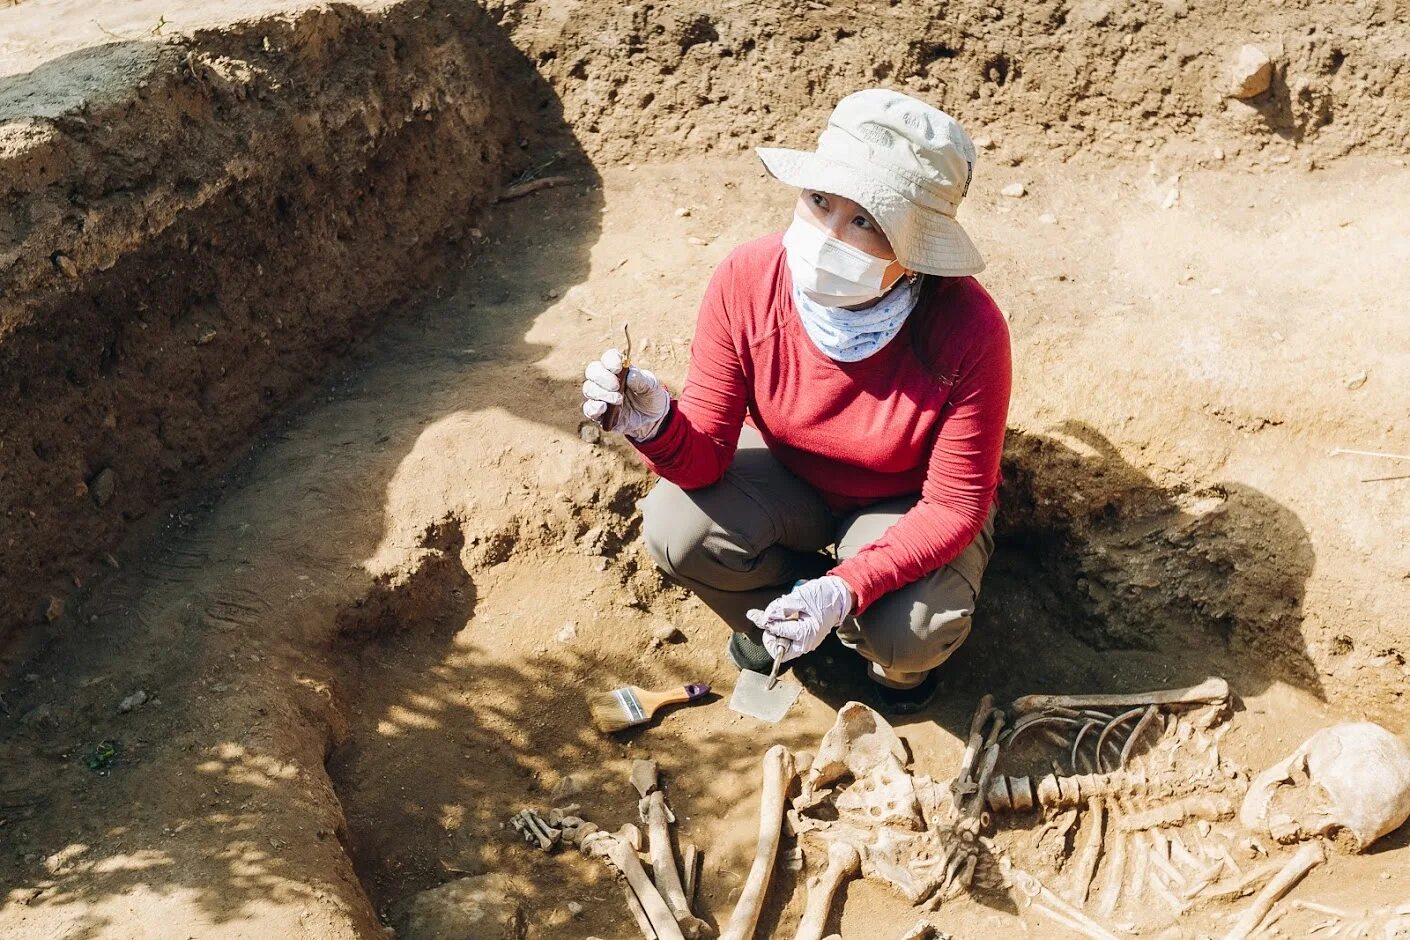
(629, 705)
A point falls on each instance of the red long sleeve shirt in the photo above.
(893, 424)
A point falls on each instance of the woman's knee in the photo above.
(921, 625)
(675, 531)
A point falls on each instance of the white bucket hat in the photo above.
(906, 163)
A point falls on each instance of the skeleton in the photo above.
(1150, 814)
(1357, 782)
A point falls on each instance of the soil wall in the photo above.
(186, 249)
(1045, 78)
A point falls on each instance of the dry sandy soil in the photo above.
(345, 597)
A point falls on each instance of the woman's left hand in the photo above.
(800, 620)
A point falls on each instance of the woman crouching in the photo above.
(833, 459)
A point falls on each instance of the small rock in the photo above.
(1250, 72)
(1353, 382)
(697, 242)
(102, 486)
(66, 266)
(591, 540)
(135, 700)
(984, 143)
(568, 786)
(550, 294)
(483, 906)
(1014, 190)
(55, 610)
(1219, 153)
(590, 433)
(567, 633)
(666, 633)
(683, 213)
(1047, 218)
(574, 908)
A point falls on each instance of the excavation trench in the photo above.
(269, 349)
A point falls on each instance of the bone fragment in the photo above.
(973, 746)
(1140, 869)
(1088, 852)
(638, 912)
(1166, 892)
(1210, 806)
(690, 864)
(1212, 691)
(1238, 887)
(1307, 857)
(778, 773)
(1111, 726)
(1114, 875)
(923, 930)
(974, 803)
(843, 862)
(1000, 798)
(1091, 724)
(1021, 793)
(1136, 734)
(617, 849)
(663, 867)
(644, 776)
(1033, 893)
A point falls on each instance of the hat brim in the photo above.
(924, 240)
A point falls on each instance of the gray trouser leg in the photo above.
(743, 541)
(915, 628)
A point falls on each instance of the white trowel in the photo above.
(764, 697)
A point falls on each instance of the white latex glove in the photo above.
(800, 620)
(644, 406)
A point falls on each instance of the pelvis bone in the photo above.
(1353, 778)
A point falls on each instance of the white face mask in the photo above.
(829, 271)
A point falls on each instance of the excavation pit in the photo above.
(350, 529)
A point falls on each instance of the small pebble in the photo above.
(698, 242)
(566, 633)
(66, 266)
(590, 433)
(135, 700)
(1047, 218)
(574, 908)
(55, 610)
(667, 633)
(102, 486)
(984, 143)
(682, 212)
(1353, 382)
(1014, 190)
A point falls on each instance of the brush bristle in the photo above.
(615, 710)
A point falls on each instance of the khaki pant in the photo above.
(743, 541)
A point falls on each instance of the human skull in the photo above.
(1352, 778)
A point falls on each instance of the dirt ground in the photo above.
(351, 635)
(445, 461)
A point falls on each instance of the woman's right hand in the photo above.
(640, 412)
